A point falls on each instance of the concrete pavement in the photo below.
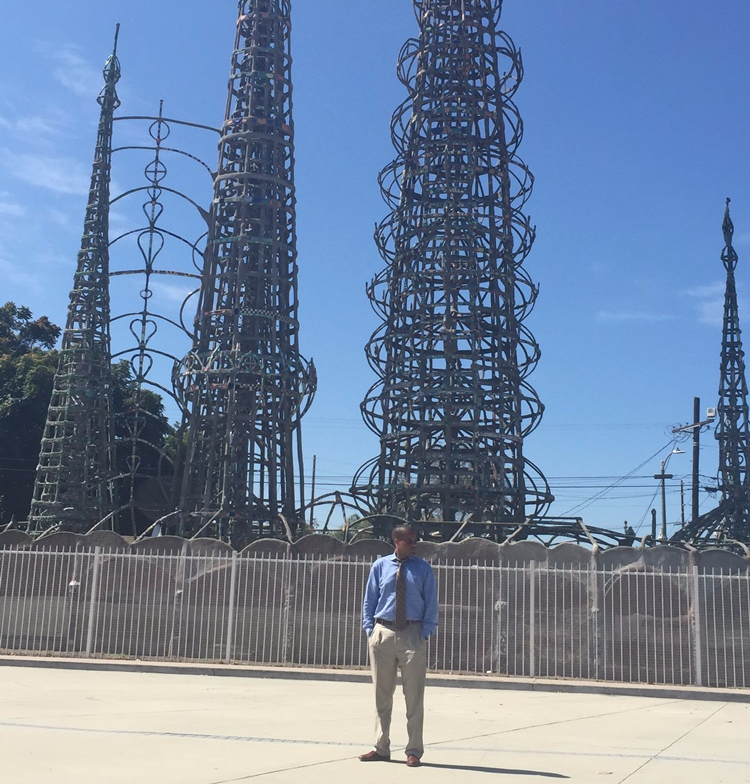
(86, 726)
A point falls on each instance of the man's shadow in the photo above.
(502, 771)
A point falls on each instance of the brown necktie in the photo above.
(400, 621)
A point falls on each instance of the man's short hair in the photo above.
(401, 532)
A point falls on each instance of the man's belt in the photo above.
(392, 624)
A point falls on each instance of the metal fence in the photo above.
(627, 624)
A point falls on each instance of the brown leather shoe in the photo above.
(412, 761)
(373, 756)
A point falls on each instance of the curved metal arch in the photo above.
(153, 315)
(167, 149)
(168, 273)
(174, 192)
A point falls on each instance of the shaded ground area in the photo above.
(92, 726)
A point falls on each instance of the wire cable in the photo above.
(602, 493)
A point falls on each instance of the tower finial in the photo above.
(108, 96)
(729, 255)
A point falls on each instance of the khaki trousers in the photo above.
(389, 651)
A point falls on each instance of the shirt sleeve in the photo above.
(429, 593)
(372, 594)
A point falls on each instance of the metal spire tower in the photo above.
(452, 405)
(73, 481)
(731, 519)
(245, 383)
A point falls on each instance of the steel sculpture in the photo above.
(453, 405)
(73, 487)
(245, 383)
(729, 524)
(148, 336)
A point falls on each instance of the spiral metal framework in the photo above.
(147, 336)
(729, 523)
(73, 487)
(452, 405)
(245, 383)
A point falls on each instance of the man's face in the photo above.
(406, 547)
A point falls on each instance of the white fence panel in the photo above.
(529, 620)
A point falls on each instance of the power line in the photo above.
(602, 493)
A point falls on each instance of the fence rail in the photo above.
(627, 624)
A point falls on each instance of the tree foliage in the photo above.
(145, 452)
(139, 413)
(28, 362)
(27, 370)
(21, 334)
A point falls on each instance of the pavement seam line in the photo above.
(592, 754)
(551, 724)
(283, 770)
(676, 740)
(168, 734)
(292, 741)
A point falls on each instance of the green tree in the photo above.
(146, 445)
(138, 412)
(28, 363)
(27, 370)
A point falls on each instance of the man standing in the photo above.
(400, 612)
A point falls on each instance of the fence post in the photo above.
(695, 624)
(532, 619)
(177, 601)
(230, 611)
(595, 616)
(500, 606)
(93, 601)
(72, 644)
(287, 608)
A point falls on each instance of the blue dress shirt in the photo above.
(421, 594)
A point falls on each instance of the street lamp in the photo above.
(662, 476)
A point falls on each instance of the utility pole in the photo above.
(696, 458)
(682, 501)
(662, 476)
(312, 492)
(695, 426)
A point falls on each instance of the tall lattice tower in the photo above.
(245, 384)
(452, 405)
(731, 519)
(73, 481)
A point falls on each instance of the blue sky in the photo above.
(636, 119)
